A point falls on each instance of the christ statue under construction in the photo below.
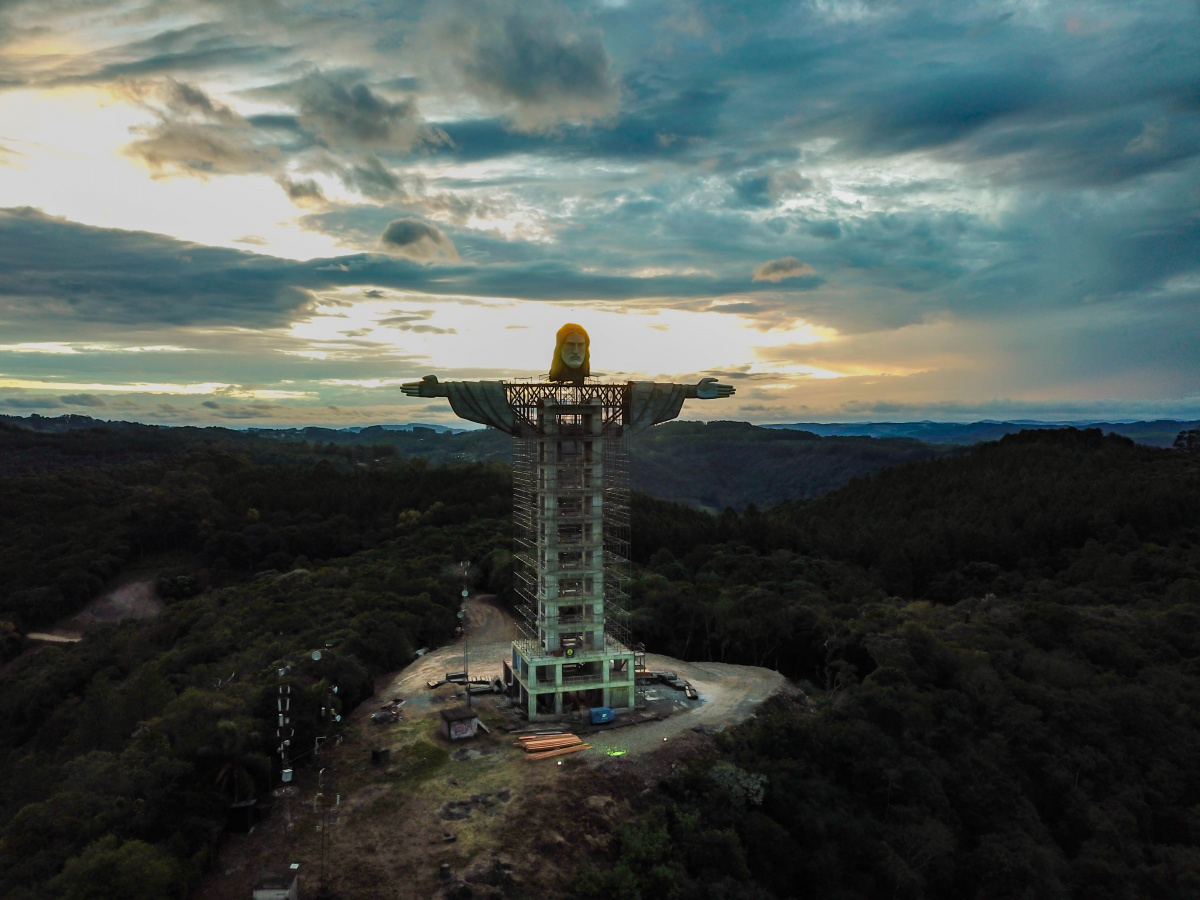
(570, 517)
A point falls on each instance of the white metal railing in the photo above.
(576, 680)
(531, 649)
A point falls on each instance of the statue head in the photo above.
(572, 354)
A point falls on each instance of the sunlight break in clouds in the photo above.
(512, 337)
(57, 347)
(777, 270)
(847, 206)
(137, 387)
(73, 164)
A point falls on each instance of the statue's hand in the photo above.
(426, 387)
(709, 389)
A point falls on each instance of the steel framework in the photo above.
(571, 543)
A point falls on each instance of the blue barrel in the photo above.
(601, 714)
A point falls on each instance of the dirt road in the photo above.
(728, 696)
(487, 644)
(728, 693)
(437, 803)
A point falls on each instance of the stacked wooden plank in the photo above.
(544, 746)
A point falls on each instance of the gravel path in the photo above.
(728, 693)
(490, 632)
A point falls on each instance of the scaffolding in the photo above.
(571, 546)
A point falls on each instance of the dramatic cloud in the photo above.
(777, 270)
(335, 125)
(29, 403)
(241, 411)
(196, 136)
(999, 198)
(82, 400)
(303, 193)
(344, 114)
(417, 240)
(60, 270)
(532, 60)
(190, 50)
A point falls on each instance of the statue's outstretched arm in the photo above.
(428, 386)
(651, 403)
(709, 389)
(484, 402)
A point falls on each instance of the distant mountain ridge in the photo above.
(1153, 433)
(1156, 433)
(71, 421)
(707, 466)
(715, 465)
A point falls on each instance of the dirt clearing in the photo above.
(133, 600)
(505, 826)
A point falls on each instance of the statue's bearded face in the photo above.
(574, 350)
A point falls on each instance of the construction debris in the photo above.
(545, 742)
(673, 680)
(548, 745)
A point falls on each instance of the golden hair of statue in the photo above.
(572, 354)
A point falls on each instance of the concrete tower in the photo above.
(571, 523)
(570, 517)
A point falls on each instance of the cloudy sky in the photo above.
(268, 212)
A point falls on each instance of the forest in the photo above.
(709, 466)
(997, 651)
(1003, 649)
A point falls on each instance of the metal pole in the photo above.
(324, 828)
(466, 639)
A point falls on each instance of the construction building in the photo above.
(570, 517)
(571, 562)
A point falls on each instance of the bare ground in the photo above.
(132, 600)
(505, 826)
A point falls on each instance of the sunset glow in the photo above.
(851, 210)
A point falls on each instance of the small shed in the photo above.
(280, 884)
(459, 723)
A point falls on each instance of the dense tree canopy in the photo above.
(999, 653)
(1004, 651)
(120, 755)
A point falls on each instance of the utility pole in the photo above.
(327, 780)
(323, 891)
(462, 614)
